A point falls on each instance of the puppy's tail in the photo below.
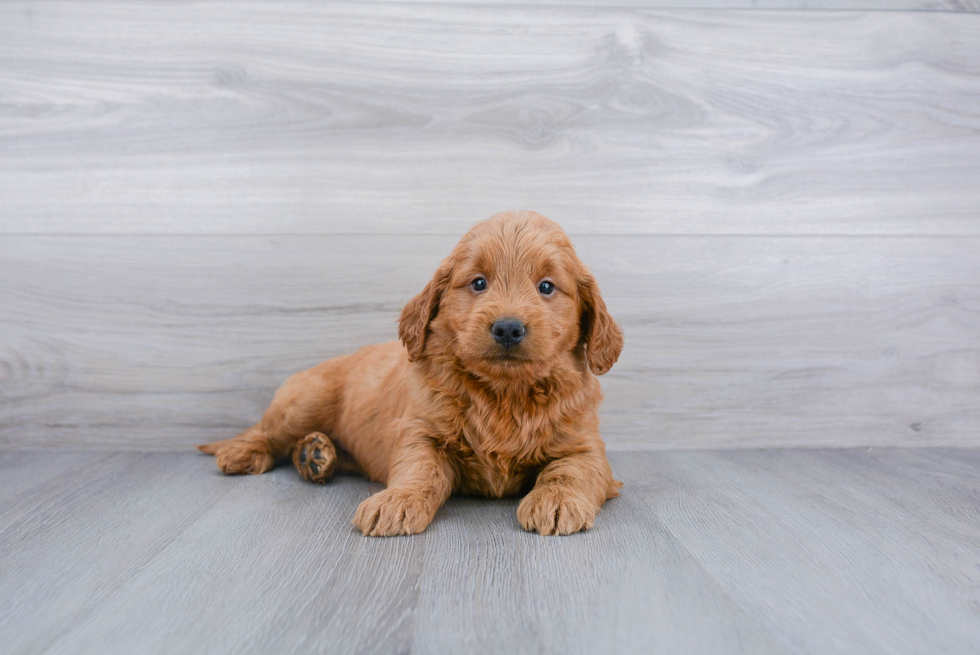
(213, 447)
(248, 436)
(613, 491)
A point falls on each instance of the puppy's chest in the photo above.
(494, 475)
(500, 461)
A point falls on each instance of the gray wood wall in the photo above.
(782, 207)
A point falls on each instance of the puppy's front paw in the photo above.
(393, 512)
(555, 510)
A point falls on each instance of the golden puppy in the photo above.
(491, 390)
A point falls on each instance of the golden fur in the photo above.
(448, 409)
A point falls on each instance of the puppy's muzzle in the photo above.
(508, 332)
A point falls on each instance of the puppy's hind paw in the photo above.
(315, 457)
(240, 457)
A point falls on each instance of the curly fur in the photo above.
(449, 410)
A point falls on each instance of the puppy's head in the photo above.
(512, 298)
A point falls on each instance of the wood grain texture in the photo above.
(792, 5)
(300, 117)
(845, 551)
(792, 534)
(158, 343)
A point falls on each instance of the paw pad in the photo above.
(315, 457)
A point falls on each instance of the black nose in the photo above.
(508, 331)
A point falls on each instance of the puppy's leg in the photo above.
(246, 453)
(420, 481)
(305, 403)
(568, 494)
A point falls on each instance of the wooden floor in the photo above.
(753, 551)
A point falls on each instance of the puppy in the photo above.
(491, 391)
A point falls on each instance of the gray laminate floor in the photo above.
(801, 551)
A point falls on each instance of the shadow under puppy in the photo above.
(492, 389)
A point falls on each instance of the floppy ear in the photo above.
(420, 310)
(603, 336)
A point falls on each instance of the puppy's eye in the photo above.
(479, 284)
(546, 287)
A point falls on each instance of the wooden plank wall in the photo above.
(782, 207)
